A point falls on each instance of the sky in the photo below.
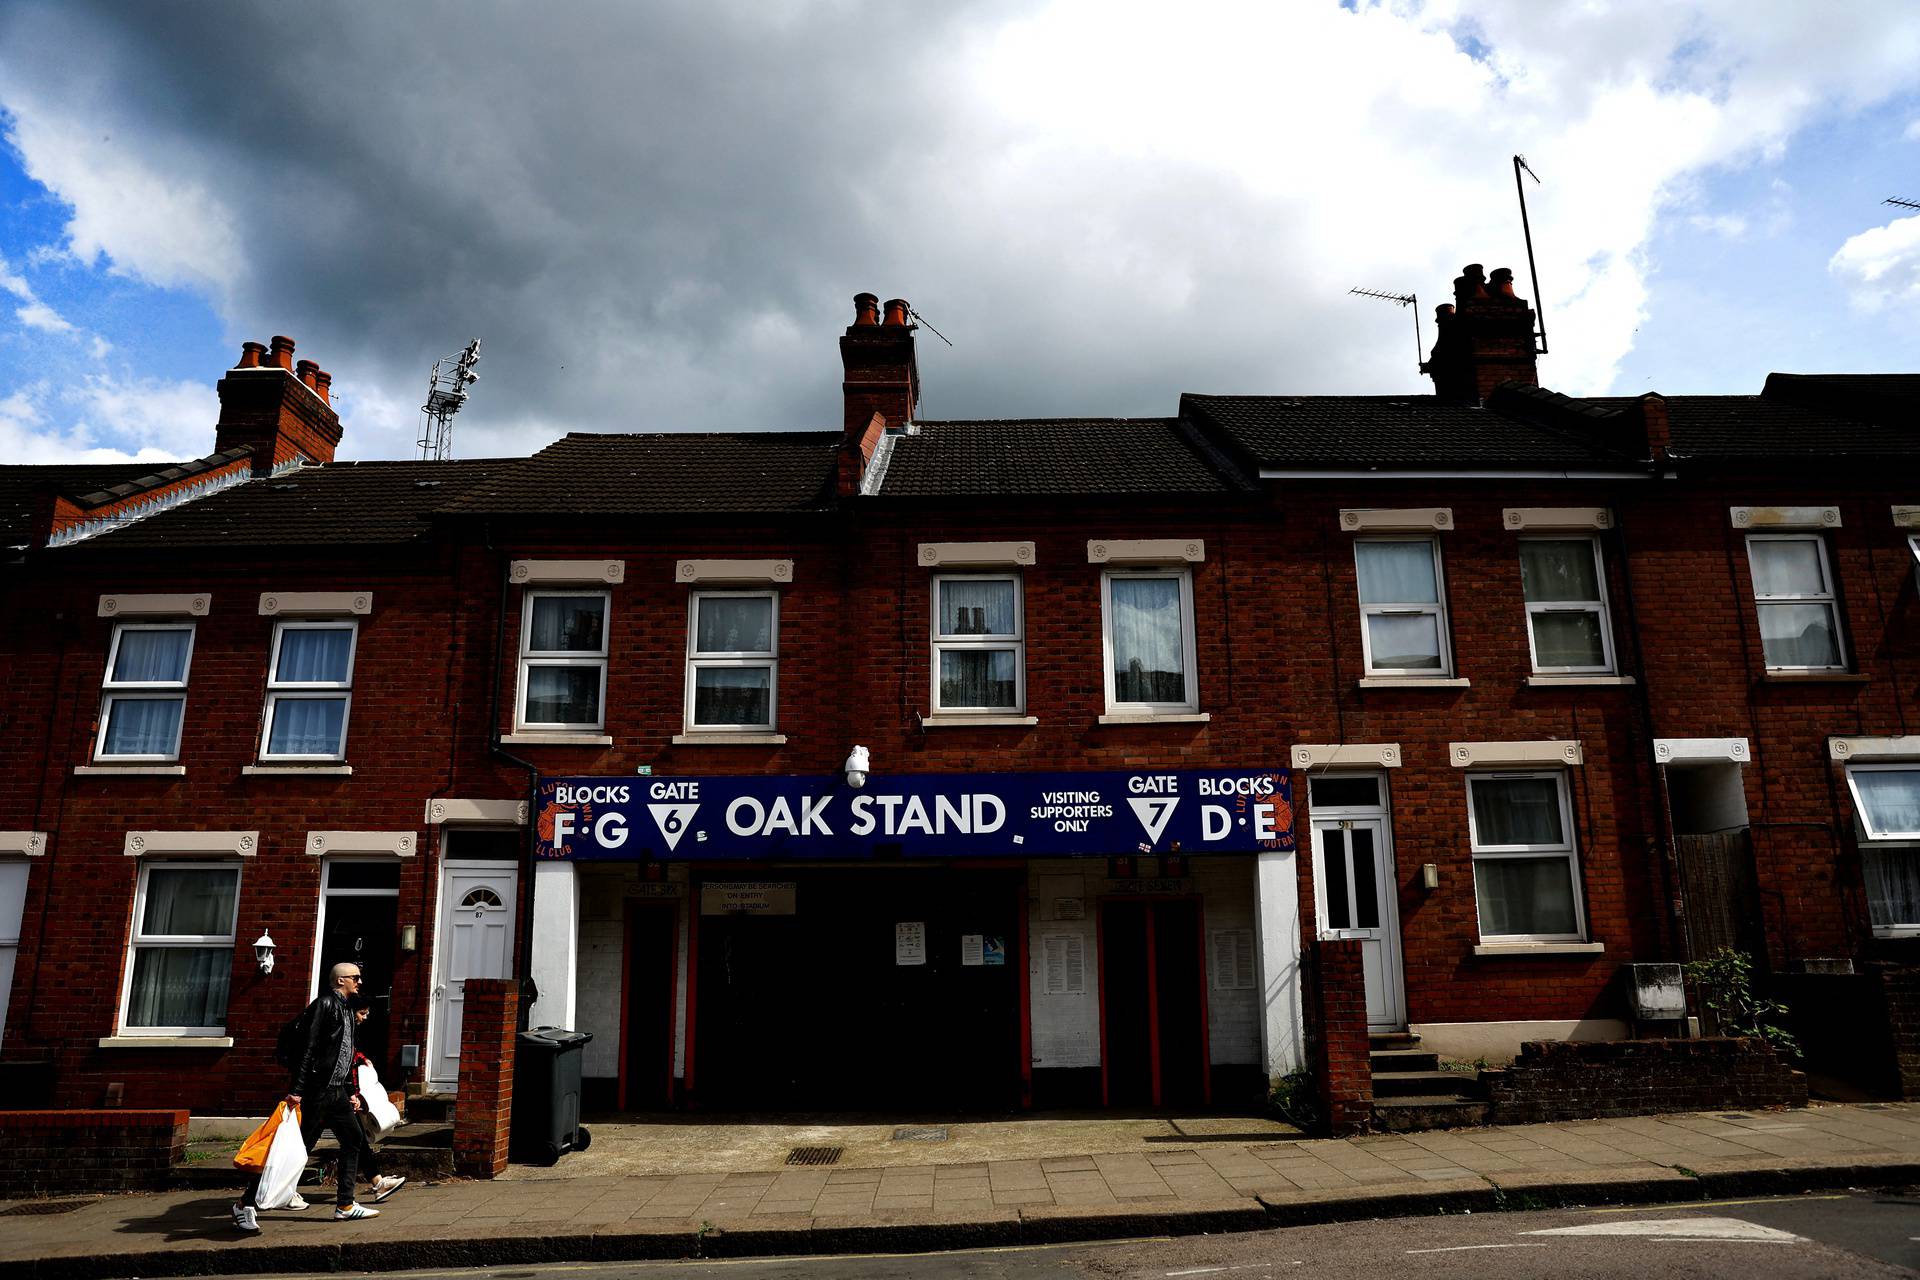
(655, 215)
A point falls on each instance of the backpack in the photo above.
(292, 1044)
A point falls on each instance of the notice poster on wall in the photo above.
(910, 942)
(972, 949)
(995, 951)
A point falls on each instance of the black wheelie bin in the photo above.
(546, 1095)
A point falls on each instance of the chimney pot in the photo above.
(1502, 282)
(282, 351)
(306, 369)
(323, 385)
(896, 311)
(250, 353)
(1485, 340)
(866, 308)
(267, 416)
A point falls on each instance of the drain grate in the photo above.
(815, 1155)
(40, 1208)
(920, 1133)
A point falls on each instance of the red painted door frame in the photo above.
(1153, 993)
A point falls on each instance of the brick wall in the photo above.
(1574, 1080)
(48, 1152)
(1900, 985)
(1343, 1074)
(483, 1116)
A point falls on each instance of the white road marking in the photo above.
(1715, 1204)
(1462, 1248)
(1677, 1229)
(1210, 1271)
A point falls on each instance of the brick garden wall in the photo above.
(483, 1116)
(48, 1152)
(1576, 1080)
(1342, 1070)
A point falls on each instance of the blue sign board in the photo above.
(923, 815)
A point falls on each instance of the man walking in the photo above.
(323, 1090)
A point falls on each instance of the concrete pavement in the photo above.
(1158, 1188)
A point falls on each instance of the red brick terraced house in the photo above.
(983, 764)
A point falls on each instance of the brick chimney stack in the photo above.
(1486, 338)
(877, 355)
(281, 411)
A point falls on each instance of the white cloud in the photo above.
(32, 312)
(1102, 203)
(30, 436)
(1913, 131)
(1880, 267)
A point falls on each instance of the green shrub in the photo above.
(1725, 983)
(1293, 1099)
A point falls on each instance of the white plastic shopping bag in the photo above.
(385, 1117)
(286, 1160)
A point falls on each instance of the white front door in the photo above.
(1353, 889)
(13, 900)
(475, 941)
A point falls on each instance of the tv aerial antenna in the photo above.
(446, 392)
(1904, 204)
(1401, 300)
(1526, 228)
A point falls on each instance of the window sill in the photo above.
(1541, 949)
(978, 722)
(166, 1042)
(1415, 682)
(296, 771)
(1816, 677)
(729, 739)
(1177, 717)
(533, 738)
(1549, 682)
(130, 771)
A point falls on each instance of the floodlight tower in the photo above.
(446, 392)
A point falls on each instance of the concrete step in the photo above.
(1424, 1084)
(1413, 1114)
(429, 1107)
(1389, 1040)
(1404, 1060)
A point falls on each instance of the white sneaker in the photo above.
(298, 1202)
(386, 1185)
(353, 1213)
(246, 1220)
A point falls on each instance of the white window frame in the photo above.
(530, 658)
(1830, 598)
(183, 941)
(1437, 610)
(1884, 842)
(1598, 607)
(113, 691)
(1191, 667)
(1913, 546)
(1014, 643)
(1567, 848)
(701, 659)
(297, 690)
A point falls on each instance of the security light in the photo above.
(856, 768)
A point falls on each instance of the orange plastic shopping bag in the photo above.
(252, 1155)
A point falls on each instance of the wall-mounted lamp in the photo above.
(856, 768)
(263, 952)
(1429, 875)
(409, 937)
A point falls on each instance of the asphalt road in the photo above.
(1836, 1234)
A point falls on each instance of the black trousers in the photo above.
(333, 1111)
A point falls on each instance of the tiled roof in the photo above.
(18, 485)
(665, 473)
(1760, 426)
(376, 503)
(1055, 457)
(1392, 432)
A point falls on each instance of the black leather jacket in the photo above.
(328, 1023)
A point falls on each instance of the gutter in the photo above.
(1270, 473)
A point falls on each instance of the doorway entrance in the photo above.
(1153, 1004)
(646, 1017)
(359, 918)
(1354, 885)
(858, 989)
(475, 940)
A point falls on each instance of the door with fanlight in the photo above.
(475, 941)
(1354, 885)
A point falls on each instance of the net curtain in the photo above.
(1148, 660)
